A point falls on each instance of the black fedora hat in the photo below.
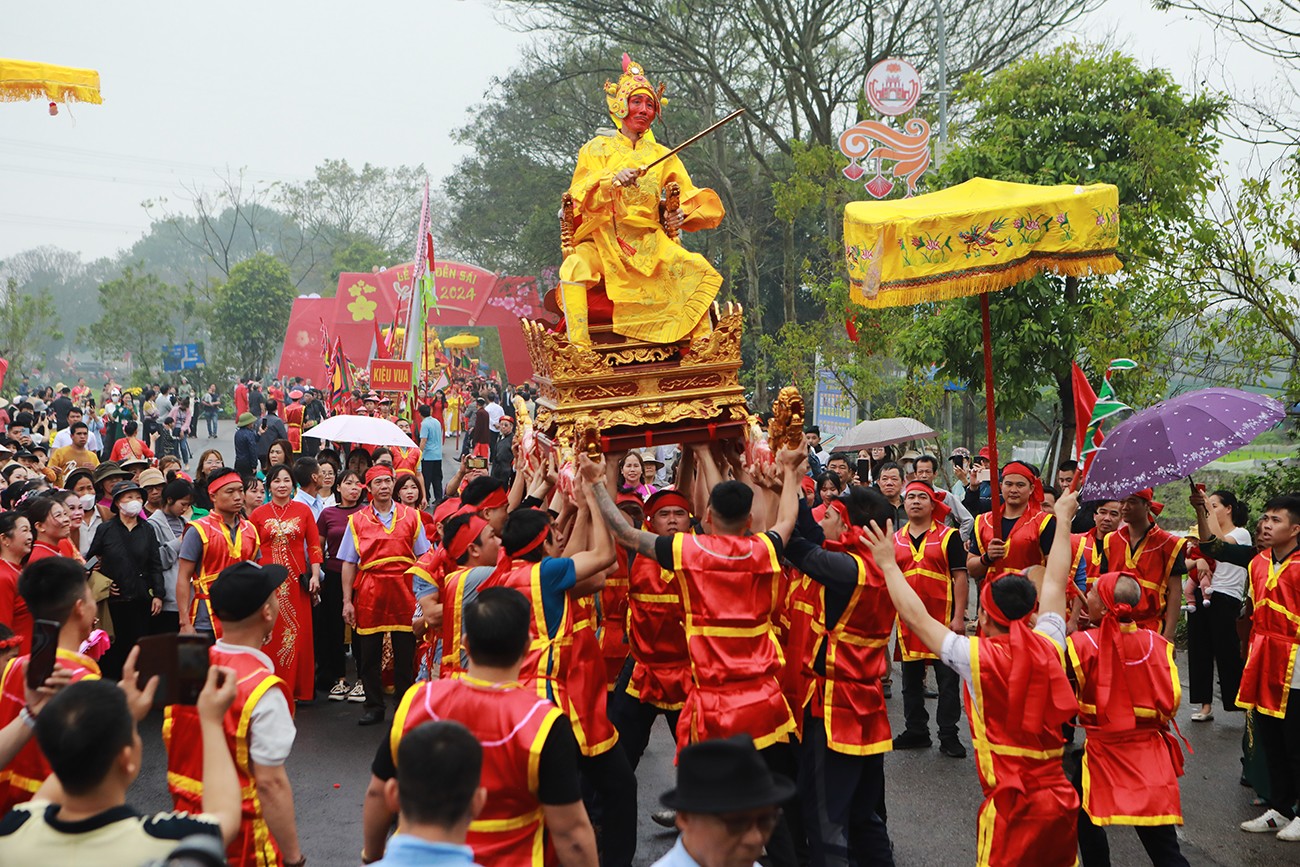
(725, 776)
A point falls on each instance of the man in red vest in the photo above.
(1153, 556)
(846, 723)
(1025, 537)
(259, 723)
(1090, 548)
(1017, 700)
(56, 589)
(382, 542)
(661, 669)
(564, 662)
(533, 815)
(934, 564)
(1274, 641)
(1128, 691)
(219, 539)
(731, 583)
(293, 420)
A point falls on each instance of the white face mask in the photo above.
(87, 501)
(131, 508)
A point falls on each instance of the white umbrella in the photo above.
(361, 429)
(883, 432)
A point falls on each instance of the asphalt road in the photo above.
(932, 799)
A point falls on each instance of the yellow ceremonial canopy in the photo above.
(461, 341)
(21, 80)
(979, 236)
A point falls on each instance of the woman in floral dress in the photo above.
(289, 537)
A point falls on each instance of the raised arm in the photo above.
(792, 463)
(590, 565)
(1052, 597)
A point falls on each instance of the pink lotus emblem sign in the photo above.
(893, 87)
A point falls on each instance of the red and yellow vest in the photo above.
(1130, 776)
(849, 698)
(567, 668)
(1029, 805)
(661, 671)
(801, 625)
(253, 846)
(512, 724)
(1085, 548)
(1151, 564)
(220, 549)
(1024, 545)
(293, 424)
(405, 458)
(20, 779)
(730, 587)
(613, 619)
(927, 570)
(382, 592)
(453, 618)
(1274, 634)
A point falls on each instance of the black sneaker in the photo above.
(952, 748)
(912, 741)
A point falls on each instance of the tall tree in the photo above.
(136, 312)
(26, 322)
(251, 312)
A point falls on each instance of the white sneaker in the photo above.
(358, 694)
(1291, 833)
(1270, 821)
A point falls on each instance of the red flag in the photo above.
(381, 350)
(4, 368)
(1084, 401)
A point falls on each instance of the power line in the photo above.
(146, 163)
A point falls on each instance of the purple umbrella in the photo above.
(1175, 438)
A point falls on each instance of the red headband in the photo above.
(840, 509)
(11, 642)
(1032, 689)
(465, 536)
(1020, 469)
(533, 545)
(1150, 496)
(497, 498)
(941, 509)
(379, 471)
(221, 481)
(666, 499)
(446, 509)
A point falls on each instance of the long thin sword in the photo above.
(692, 140)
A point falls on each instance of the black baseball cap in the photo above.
(243, 588)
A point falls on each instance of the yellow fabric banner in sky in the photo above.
(979, 236)
(21, 80)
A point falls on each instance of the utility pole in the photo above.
(942, 35)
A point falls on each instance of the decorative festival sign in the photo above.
(892, 88)
(390, 375)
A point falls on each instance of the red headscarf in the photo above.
(1032, 688)
(467, 535)
(1114, 685)
(1017, 468)
(941, 509)
(379, 471)
(1150, 496)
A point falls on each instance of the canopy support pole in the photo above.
(990, 418)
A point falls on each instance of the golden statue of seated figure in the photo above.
(623, 238)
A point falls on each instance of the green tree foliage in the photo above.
(251, 311)
(1077, 114)
(136, 313)
(27, 321)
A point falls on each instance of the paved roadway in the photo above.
(932, 799)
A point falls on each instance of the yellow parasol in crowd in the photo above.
(21, 80)
(975, 238)
(461, 341)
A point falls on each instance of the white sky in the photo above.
(277, 86)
